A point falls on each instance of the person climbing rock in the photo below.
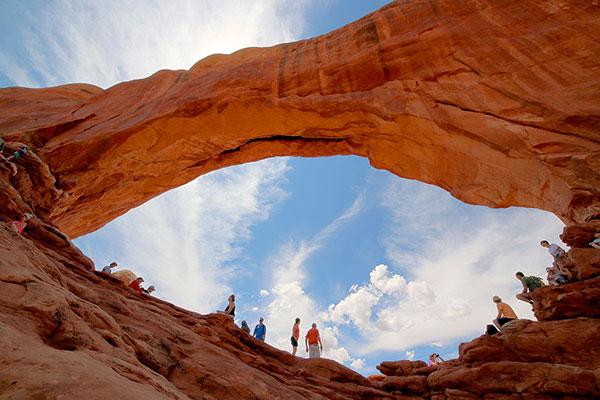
(260, 330)
(295, 336)
(230, 309)
(245, 327)
(313, 342)
(136, 284)
(107, 269)
(530, 284)
(20, 152)
(505, 313)
(433, 360)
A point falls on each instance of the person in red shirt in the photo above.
(313, 341)
(295, 336)
(136, 284)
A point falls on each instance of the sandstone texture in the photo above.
(495, 101)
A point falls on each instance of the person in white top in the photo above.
(557, 252)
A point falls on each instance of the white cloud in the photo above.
(289, 299)
(184, 241)
(410, 355)
(263, 293)
(115, 40)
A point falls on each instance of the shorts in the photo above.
(294, 342)
(504, 320)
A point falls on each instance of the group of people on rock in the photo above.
(134, 284)
(314, 345)
(558, 274)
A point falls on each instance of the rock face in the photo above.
(495, 101)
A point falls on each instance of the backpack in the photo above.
(539, 282)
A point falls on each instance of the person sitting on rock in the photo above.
(136, 284)
(21, 151)
(230, 309)
(505, 313)
(20, 224)
(530, 284)
(557, 252)
(596, 242)
(433, 360)
(149, 290)
(554, 277)
(245, 327)
(107, 269)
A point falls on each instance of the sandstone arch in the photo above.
(497, 102)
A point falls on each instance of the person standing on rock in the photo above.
(313, 342)
(295, 336)
(529, 286)
(230, 309)
(260, 330)
(107, 269)
(505, 313)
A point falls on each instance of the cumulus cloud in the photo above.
(263, 293)
(115, 40)
(410, 355)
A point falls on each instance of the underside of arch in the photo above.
(478, 98)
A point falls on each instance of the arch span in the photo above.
(495, 101)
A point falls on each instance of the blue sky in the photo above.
(389, 268)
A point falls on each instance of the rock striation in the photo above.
(495, 101)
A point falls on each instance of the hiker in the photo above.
(19, 153)
(557, 252)
(260, 330)
(107, 269)
(149, 290)
(230, 309)
(530, 283)
(433, 362)
(596, 242)
(5, 160)
(554, 277)
(245, 327)
(505, 313)
(20, 224)
(295, 336)
(313, 342)
(136, 284)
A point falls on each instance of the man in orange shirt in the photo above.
(505, 313)
(313, 341)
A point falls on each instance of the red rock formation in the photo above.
(495, 101)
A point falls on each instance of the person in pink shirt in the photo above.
(21, 223)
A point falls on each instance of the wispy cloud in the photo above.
(115, 40)
(186, 241)
(289, 299)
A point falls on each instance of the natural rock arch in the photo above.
(495, 101)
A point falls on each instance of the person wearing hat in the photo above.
(136, 284)
(505, 313)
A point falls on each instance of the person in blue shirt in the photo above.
(260, 330)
